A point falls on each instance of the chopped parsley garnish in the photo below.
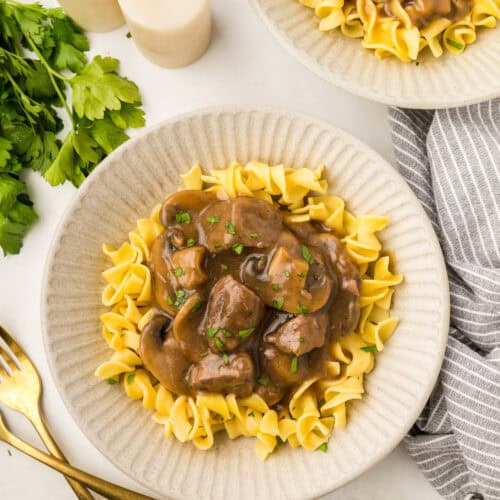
(370, 348)
(213, 219)
(181, 298)
(454, 44)
(302, 340)
(417, 63)
(224, 267)
(178, 271)
(112, 381)
(180, 294)
(191, 243)
(220, 345)
(303, 309)
(170, 301)
(204, 354)
(217, 244)
(280, 441)
(212, 332)
(230, 228)
(246, 333)
(288, 274)
(263, 381)
(294, 365)
(302, 274)
(183, 217)
(251, 414)
(128, 35)
(254, 235)
(278, 303)
(323, 447)
(225, 357)
(213, 255)
(196, 307)
(225, 332)
(275, 286)
(130, 378)
(238, 248)
(306, 253)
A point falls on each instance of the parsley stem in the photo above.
(51, 74)
(22, 96)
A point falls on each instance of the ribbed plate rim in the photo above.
(280, 113)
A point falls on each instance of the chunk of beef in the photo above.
(301, 334)
(269, 391)
(234, 312)
(212, 374)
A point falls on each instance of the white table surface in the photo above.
(244, 65)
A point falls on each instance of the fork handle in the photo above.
(109, 490)
(38, 422)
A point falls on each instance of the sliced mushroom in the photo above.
(345, 310)
(163, 356)
(246, 221)
(289, 282)
(163, 287)
(233, 375)
(186, 329)
(188, 267)
(184, 202)
(233, 315)
(301, 334)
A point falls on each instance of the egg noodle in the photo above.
(318, 406)
(398, 36)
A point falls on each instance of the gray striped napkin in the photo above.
(451, 160)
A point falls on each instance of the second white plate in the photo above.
(449, 81)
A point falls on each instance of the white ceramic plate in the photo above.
(142, 173)
(446, 82)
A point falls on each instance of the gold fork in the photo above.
(21, 390)
(109, 490)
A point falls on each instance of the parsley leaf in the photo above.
(36, 45)
(246, 333)
(306, 253)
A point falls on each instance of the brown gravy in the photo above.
(423, 12)
(246, 302)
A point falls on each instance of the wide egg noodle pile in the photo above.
(318, 406)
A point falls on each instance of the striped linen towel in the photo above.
(451, 160)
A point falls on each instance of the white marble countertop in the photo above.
(244, 65)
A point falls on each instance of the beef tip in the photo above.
(284, 369)
(269, 391)
(301, 334)
(235, 376)
(253, 223)
(188, 267)
(234, 312)
(163, 356)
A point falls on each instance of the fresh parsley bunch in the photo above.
(42, 54)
